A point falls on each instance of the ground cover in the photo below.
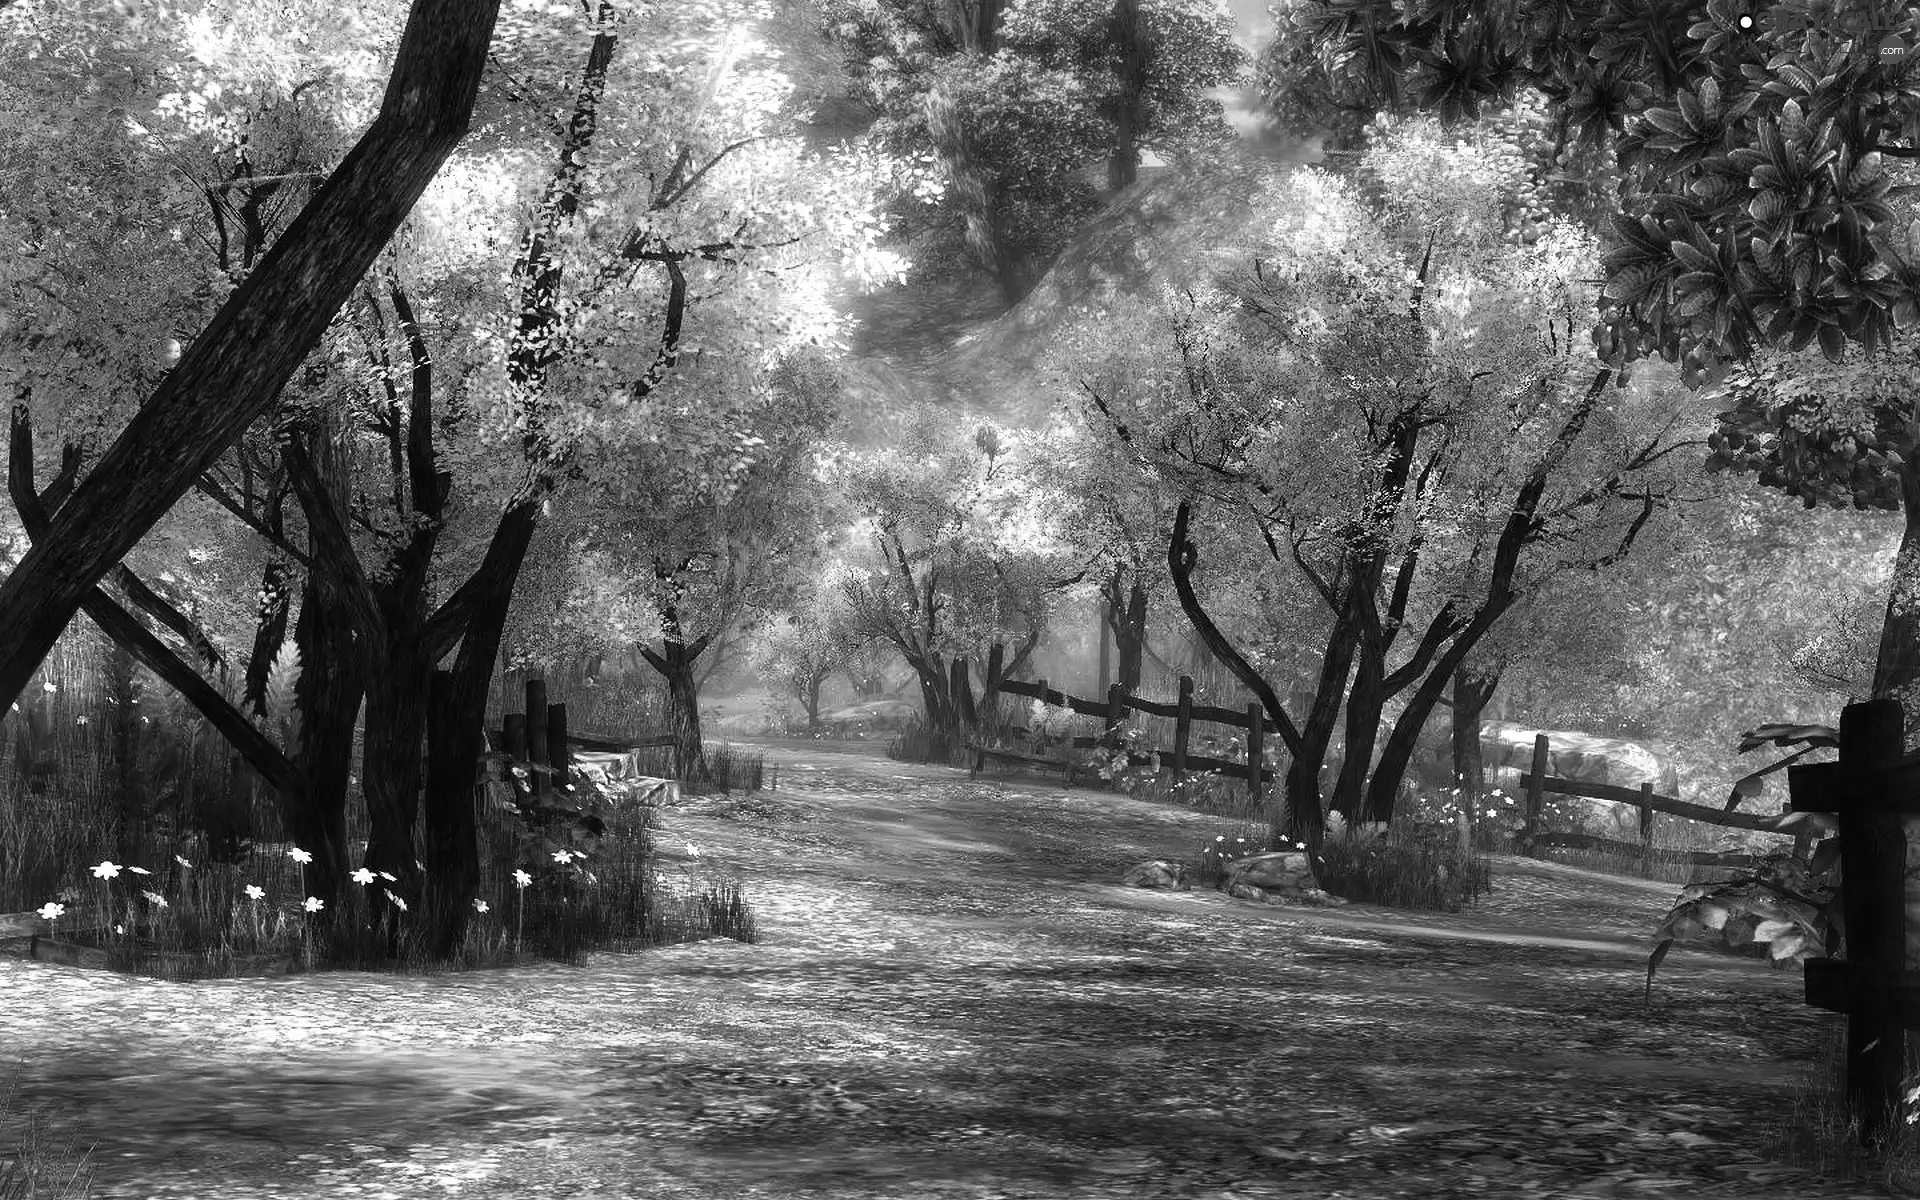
(952, 997)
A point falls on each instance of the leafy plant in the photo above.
(1788, 905)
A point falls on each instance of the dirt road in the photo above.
(952, 998)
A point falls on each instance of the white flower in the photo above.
(563, 856)
(51, 911)
(521, 879)
(480, 906)
(106, 870)
(254, 892)
(693, 850)
(314, 904)
(300, 856)
(362, 876)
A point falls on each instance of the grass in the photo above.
(120, 825)
(37, 1165)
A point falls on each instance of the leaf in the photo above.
(1653, 964)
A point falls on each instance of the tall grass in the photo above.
(111, 773)
(35, 1164)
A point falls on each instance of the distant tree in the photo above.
(1018, 103)
(965, 553)
(1391, 401)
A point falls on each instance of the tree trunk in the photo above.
(327, 697)
(1130, 635)
(457, 738)
(234, 370)
(1104, 626)
(452, 845)
(1366, 701)
(1472, 689)
(1898, 666)
(397, 707)
(813, 702)
(683, 712)
(269, 634)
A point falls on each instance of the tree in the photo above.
(234, 370)
(1389, 425)
(1771, 210)
(1016, 102)
(806, 645)
(703, 541)
(965, 554)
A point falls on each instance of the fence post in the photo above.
(1255, 749)
(557, 745)
(1873, 863)
(1536, 787)
(1182, 723)
(537, 753)
(1646, 815)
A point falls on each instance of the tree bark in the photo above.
(452, 852)
(675, 662)
(1472, 689)
(269, 634)
(234, 371)
(1898, 666)
(327, 696)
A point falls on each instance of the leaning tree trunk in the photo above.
(234, 371)
(1130, 637)
(269, 633)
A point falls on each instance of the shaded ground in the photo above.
(951, 998)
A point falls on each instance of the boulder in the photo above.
(1278, 877)
(1157, 873)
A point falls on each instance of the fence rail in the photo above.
(1184, 712)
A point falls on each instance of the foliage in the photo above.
(1790, 906)
(1369, 403)
(966, 549)
(1012, 107)
(1404, 867)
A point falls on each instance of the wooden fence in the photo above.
(538, 736)
(1537, 783)
(1184, 712)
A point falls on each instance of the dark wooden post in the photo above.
(1646, 815)
(1536, 788)
(514, 732)
(537, 753)
(1873, 864)
(557, 745)
(1256, 749)
(1116, 708)
(1182, 725)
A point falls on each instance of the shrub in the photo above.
(1407, 865)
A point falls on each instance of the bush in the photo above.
(1407, 865)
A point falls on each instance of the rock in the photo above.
(1278, 870)
(1157, 873)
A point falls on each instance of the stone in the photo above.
(1507, 750)
(1157, 873)
(1278, 870)
(1279, 877)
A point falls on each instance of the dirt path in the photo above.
(951, 998)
